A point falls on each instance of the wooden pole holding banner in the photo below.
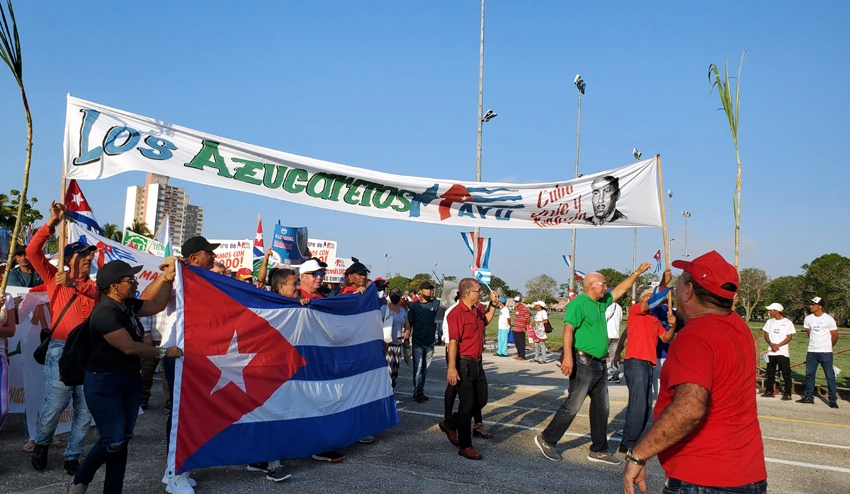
(63, 237)
(664, 228)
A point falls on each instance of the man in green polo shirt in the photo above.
(585, 348)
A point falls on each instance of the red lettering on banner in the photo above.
(149, 275)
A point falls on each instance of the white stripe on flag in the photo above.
(303, 327)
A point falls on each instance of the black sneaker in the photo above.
(278, 475)
(806, 400)
(623, 448)
(39, 457)
(786, 397)
(260, 466)
(145, 402)
(548, 451)
(833, 404)
(71, 466)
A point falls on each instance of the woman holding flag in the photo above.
(112, 382)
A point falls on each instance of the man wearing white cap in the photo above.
(823, 335)
(777, 333)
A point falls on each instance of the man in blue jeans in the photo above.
(422, 318)
(823, 335)
(583, 361)
(72, 295)
(642, 332)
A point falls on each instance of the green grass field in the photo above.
(799, 344)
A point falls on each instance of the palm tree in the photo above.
(10, 52)
(112, 232)
(141, 228)
(731, 109)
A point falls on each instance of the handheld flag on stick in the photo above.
(579, 274)
(657, 297)
(259, 248)
(78, 208)
(657, 258)
(482, 257)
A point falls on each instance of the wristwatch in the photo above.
(634, 459)
(162, 350)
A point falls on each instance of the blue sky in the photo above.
(392, 86)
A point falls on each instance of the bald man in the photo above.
(583, 361)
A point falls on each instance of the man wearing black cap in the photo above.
(72, 295)
(23, 274)
(705, 430)
(199, 252)
(422, 317)
(356, 279)
(823, 335)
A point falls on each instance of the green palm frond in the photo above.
(10, 44)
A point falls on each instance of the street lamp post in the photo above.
(482, 118)
(686, 214)
(388, 256)
(580, 85)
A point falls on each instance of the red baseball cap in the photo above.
(711, 271)
(244, 274)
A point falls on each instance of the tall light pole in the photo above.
(637, 155)
(580, 85)
(482, 117)
(686, 214)
(388, 256)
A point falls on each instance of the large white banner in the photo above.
(101, 142)
(235, 254)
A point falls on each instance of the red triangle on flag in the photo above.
(233, 361)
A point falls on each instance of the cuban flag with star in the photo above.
(263, 377)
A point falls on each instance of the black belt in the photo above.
(743, 489)
(585, 354)
(474, 359)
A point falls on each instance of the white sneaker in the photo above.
(179, 484)
(192, 481)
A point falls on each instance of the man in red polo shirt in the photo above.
(466, 340)
(706, 431)
(642, 333)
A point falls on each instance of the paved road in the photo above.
(807, 448)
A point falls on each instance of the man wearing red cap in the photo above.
(705, 430)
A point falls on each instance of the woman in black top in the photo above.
(112, 383)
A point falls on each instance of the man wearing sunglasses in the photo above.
(312, 274)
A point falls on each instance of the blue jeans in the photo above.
(675, 486)
(422, 356)
(588, 378)
(114, 401)
(825, 361)
(56, 398)
(639, 382)
(503, 342)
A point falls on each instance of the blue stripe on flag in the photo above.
(89, 222)
(296, 438)
(325, 363)
(254, 298)
(658, 297)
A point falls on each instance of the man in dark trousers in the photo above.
(465, 370)
(422, 318)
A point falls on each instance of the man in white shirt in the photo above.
(777, 333)
(614, 316)
(823, 335)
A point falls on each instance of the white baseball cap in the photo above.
(775, 306)
(309, 267)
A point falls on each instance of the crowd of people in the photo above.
(705, 398)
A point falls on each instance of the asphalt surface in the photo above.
(807, 447)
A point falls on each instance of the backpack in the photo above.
(75, 355)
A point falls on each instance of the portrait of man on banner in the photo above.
(606, 192)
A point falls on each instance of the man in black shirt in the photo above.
(422, 318)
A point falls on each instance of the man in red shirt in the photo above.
(311, 274)
(521, 316)
(76, 294)
(642, 333)
(705, 431)
(466, 340)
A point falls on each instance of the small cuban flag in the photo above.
(657, 258)
(78, 208)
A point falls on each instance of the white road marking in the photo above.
(616, 439)
(825, 445)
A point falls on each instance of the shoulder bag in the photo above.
(40, 353)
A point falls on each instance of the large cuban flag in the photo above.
(263, 377)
